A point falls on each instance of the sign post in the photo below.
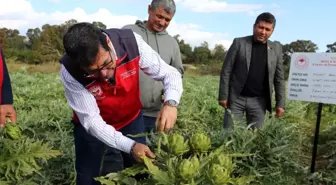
(316, 136)
(312, 78)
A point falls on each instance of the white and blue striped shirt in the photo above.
(85, 106)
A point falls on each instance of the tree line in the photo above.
(44, 45)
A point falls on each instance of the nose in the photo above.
(263, 31)
(162, 22)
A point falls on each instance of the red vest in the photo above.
(119, 102)
(1, 74)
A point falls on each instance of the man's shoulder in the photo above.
(114, 33)
(275, 44)
(243, 38)
(135, 28)
(129, 26)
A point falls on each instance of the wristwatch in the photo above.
(132, 148)
(171, 103)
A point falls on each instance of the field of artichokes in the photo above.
(198, 151)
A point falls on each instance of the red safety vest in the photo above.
(119, 103)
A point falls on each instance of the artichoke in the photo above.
(224, 161)
(199, 142)
(188, 168)
(218, 175)
(13, 131)
(177, 145)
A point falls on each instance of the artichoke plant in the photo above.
(177, 145)
(224, 160)
(199, 142)
(188, 168)
(218, 175)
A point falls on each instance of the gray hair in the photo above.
(168, 5)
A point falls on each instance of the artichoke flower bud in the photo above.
(224, 161)
(177, 145)
(200, 142)
(188, 168)
(13, 131)
(218, 174)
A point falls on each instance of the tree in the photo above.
(298, 46)
(202, 53)
(11, 38)
(52, 41)
(68, 23)
(33, 35)
(219, 52)
(99, 25)
(332, 47)
(185, 49)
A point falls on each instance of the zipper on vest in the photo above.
(113, 79)
(112, 82)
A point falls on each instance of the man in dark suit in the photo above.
(252, 65)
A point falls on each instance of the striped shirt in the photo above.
(85, 106)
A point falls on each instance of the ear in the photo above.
(149, 9)
(108, 41)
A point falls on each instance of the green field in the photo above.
(280, 152)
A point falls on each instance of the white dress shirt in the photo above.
(85, 106)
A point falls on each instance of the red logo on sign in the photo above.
(301, 62)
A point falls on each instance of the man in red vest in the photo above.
(6, 96)
(100, 75)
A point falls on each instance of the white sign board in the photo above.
(312, 77)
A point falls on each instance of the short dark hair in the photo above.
(168, 5)
(267, 17)
(81, 43)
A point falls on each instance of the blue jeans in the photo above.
(149, 124)
(91, 161)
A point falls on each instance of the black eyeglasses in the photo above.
(96, 71)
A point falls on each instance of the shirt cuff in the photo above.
(125, 144)
(173, 95)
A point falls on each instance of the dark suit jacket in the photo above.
(236, 66)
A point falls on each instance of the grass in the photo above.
(43, 68)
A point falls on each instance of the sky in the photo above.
(214, 21)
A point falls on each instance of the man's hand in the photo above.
(140, 150)
(7, 111)
(166, 119)
(279, 112)
(223, 103)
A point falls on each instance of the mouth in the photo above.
(261, 37)
(159, 27)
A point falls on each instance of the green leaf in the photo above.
(161, 177)
(104, 181)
